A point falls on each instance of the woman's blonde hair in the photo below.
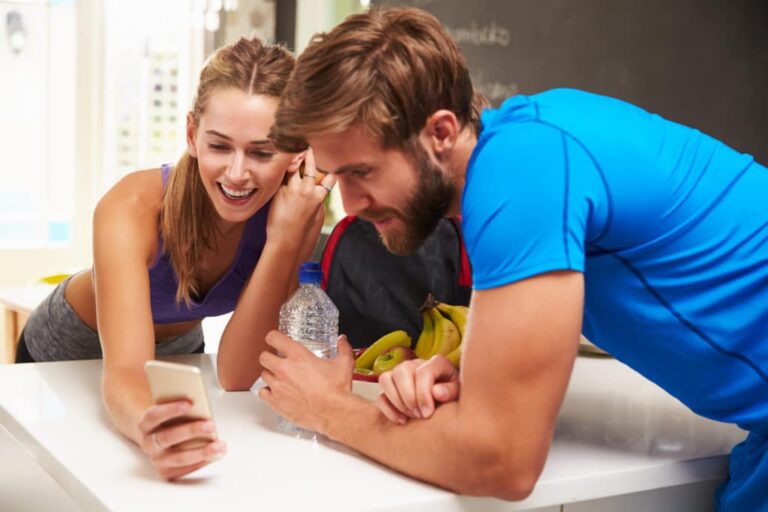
(187, 218)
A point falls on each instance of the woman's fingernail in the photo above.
(415, 413)
(207, 427)
(425, 411)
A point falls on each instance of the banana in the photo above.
(457, 315)
(426, 338)
(378, 347)
(454, 356)
(447, 336)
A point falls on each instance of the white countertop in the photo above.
(617, 434)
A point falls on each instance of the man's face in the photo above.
(403, 193)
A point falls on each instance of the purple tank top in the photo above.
(222, 296)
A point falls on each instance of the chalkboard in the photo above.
(703, 63)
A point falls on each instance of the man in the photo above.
(575, 207)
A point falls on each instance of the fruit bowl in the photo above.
(363, 375)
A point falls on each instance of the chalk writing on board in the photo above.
(494, 90)
(491, 34)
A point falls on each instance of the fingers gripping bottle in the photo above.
(310, 318)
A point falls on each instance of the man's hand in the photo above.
(300, 384)
(411, 389)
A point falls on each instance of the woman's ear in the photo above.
(191, 131)
(296, 161)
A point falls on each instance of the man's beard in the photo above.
(424, 209)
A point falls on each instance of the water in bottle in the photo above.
(310, 317)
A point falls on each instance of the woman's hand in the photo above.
(411, 389)
(298, 204)
(166, 436)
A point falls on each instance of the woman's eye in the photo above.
(218, 147)
(263, 154)
(361, 173)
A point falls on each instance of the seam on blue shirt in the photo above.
(609, 217)
(565, 200)
(685, 322)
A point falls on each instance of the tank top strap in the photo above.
(165, 171)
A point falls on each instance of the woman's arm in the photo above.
(125, 240)
(295, 219)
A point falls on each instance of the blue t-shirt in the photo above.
(668, 225)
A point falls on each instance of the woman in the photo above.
(223, 230)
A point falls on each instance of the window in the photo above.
(37, 99)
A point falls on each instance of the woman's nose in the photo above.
(236, 170)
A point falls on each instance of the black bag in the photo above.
(378, 292)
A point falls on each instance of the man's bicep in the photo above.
(521, 343)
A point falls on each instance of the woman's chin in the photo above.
(238, 212)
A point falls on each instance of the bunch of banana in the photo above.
(442, 333)
(443, 330)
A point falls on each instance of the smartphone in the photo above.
(174, 381)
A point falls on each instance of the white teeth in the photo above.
(235, 194)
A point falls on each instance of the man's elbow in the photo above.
(515, 489)
(501, 471)
(504, 482)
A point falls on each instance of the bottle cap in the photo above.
(310, 272)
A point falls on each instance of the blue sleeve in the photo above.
(520, 215)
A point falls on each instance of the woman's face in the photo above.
(239, 165)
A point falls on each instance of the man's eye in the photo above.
(361, 173)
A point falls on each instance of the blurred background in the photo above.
(93, 89)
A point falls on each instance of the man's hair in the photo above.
(387, 70)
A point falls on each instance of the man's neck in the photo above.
(457, 167)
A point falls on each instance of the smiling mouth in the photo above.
(236, 194)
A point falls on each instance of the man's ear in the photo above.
(296, 161)
(191, 132)
(441, 132)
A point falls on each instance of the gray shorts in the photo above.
(54, 332)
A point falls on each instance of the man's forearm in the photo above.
(444, 450)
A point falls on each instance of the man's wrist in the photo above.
(343, 413)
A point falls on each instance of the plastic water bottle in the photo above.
(310, 317)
